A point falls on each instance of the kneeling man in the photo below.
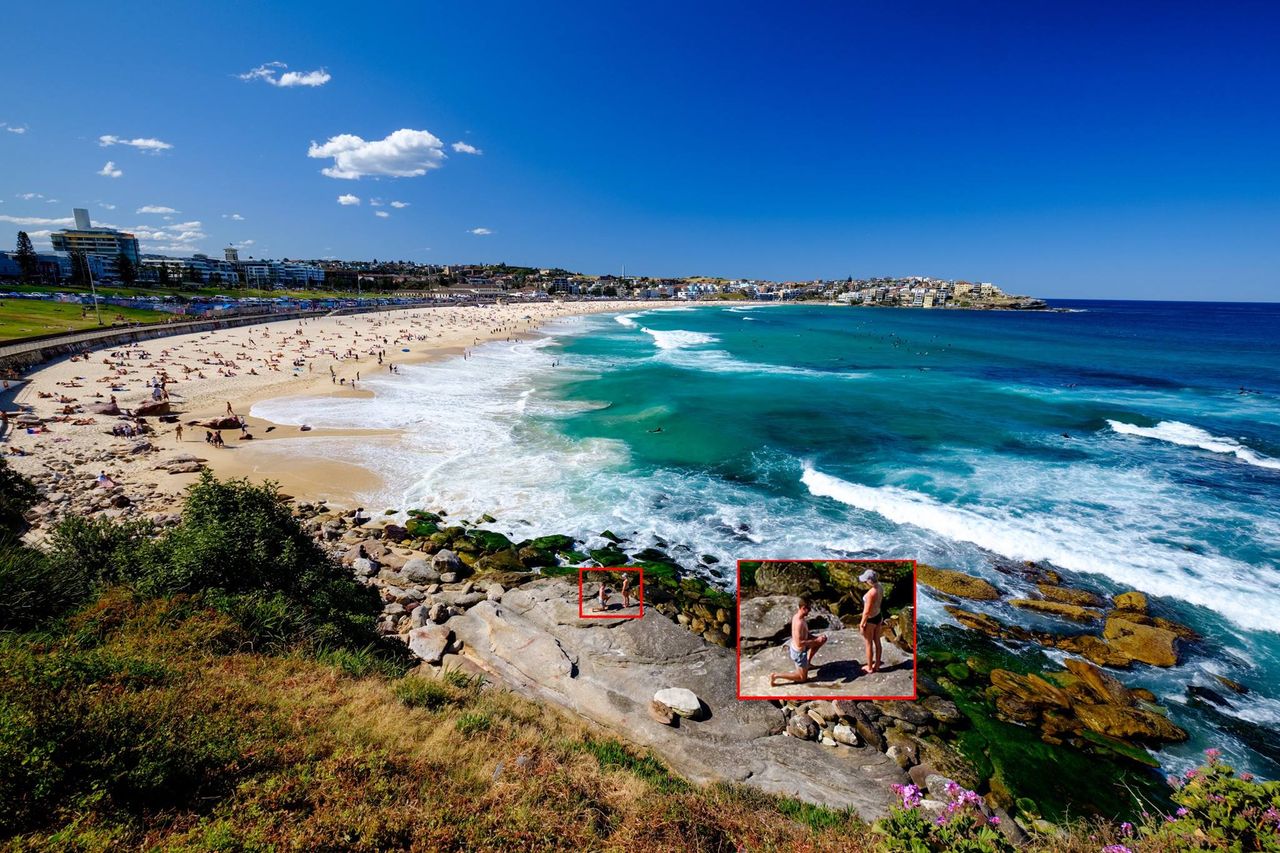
(801, 648)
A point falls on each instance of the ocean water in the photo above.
(1130, 444)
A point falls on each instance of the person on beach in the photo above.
(178, 431)
(801, 648)
(626, 590)
(869, 626)
(104, 482)
(604, 598)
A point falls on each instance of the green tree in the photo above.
(26, 257)
(79, 269)
(125, 269)
(164, 280)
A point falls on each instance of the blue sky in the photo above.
(1111, 150)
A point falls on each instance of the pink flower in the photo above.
(1182, 811)
(1116, 848)
(994, 820)
(1126, 829)
(1212, 754)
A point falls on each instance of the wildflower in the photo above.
(1173, 781)
(1212, 754)
(994, 820)
(1272, 815)
(1246, 777)
(952, 789)
(1126, 829)
(1189, 775)
(1182, 811)
(1116, 848)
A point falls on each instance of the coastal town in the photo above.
(87, 255)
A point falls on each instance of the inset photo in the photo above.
(826, 629)
(611, 593)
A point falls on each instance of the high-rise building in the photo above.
(231, 254)
(105, 243)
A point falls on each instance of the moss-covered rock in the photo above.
(956, 584)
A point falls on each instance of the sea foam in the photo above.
(1124, 552)
(1186, 435)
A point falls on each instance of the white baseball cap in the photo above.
(868, 576)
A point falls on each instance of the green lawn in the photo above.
(186, 292)
(23, 318)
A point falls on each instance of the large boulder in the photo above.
(224, 422)
(1129, 723)
(1105, 689)
(766, 619)
(1144, 643)
(419, 570)
(1074, 612)
(429, 642)
(1031, 689)
(108, 408)
(796, 579)
(955, 583)
(505, 560)
(1068, 595)
(801, 726)
(1133, 600)
(680, 700)
(445, 561)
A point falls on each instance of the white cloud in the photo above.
(244, 244)
(110, 170)
(347, 199)
(106, 206)
(146, 146)
(464, 148)
(36, 220)
(403, 154)
(399, 204)
(270, 73)
(29, 196)
(375, 202)
(480, 232)
(155, 208)
(381, 214)
(13, 128)
(176, 237)
(234, 216)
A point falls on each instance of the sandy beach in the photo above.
(222, 374)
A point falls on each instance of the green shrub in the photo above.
(112, 728)
(417, 692)
(456, 677)
(612, 753)
(359, 662)
(474, 722)
(17, 495)
(1224, 810)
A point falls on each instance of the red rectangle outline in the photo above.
(915, 635)
(639, 590)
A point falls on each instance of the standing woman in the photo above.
(869, 627)
(626, 590)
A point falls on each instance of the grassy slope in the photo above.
(303, 754)
(22, 318)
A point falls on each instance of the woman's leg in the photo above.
(869, 666)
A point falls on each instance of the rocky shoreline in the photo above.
(994, 713)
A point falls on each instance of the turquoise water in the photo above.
(1112, 440)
